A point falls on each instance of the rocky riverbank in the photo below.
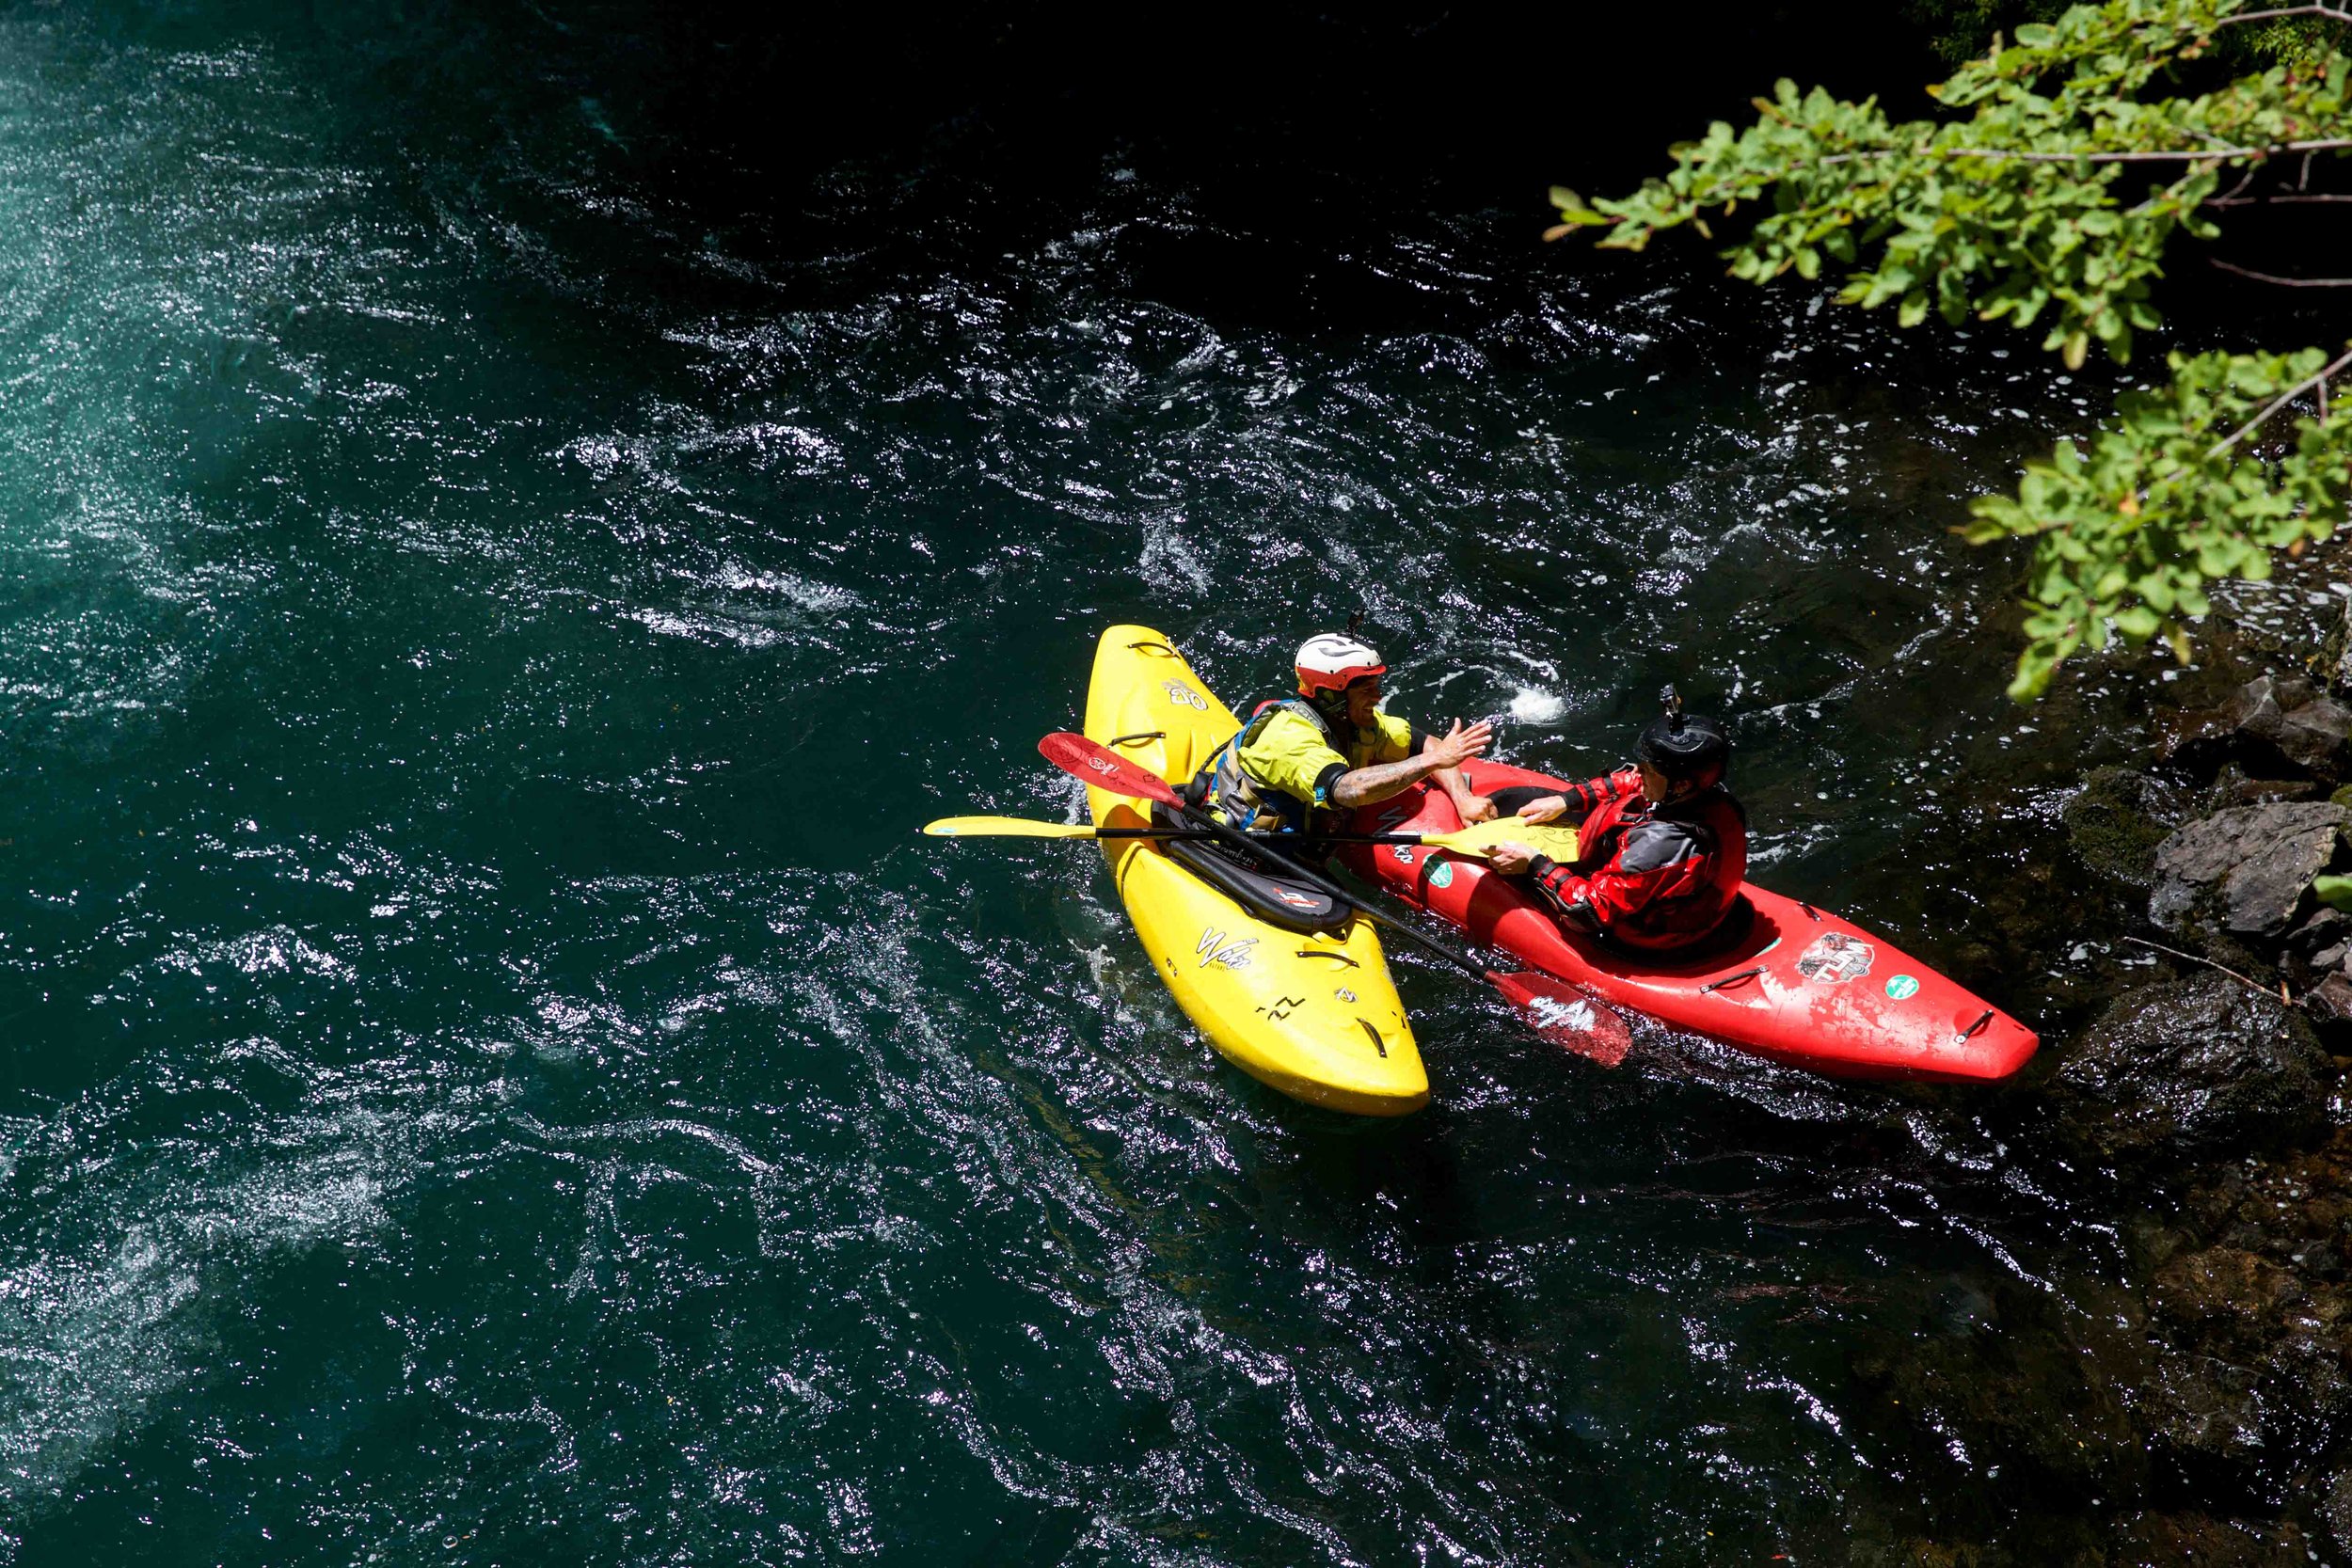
(2212, 1396)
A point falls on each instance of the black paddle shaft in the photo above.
(1239, 840)
(1263, 840)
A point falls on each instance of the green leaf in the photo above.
(2123, 531)
(2034, 668)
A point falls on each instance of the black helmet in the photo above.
(1685, 747)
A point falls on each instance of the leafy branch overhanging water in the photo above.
(2033, 209)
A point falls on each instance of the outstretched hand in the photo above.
(1544, 808)
(1458, 745)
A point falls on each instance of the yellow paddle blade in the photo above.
(1545, 838)
(1005, 827)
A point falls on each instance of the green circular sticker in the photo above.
(1440, 871)
(1901, 987)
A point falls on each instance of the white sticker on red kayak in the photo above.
(1836, 958)
(1553, 1013)
(1214, 949)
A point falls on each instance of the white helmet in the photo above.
(1329, 661)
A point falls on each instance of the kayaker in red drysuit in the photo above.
(1663, 847)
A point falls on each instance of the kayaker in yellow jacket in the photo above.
(1330, 748)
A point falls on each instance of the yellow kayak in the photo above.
(1314, 1014)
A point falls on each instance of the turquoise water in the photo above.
(493, 1077)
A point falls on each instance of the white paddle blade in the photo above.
(1004, 826)
(1566, 1017)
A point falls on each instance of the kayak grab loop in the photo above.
(1326, 953)
(1147, 643)
(1377, 1043)
(1735, 979)
(1808, 909)
(1963, 1037)
(1139, 734)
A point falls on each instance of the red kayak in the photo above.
(1783, 979)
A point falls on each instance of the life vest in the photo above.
(1663, 877)
(1225, 788)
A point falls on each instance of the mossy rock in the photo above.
(2111, 828)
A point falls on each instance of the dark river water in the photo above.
(491, 1073)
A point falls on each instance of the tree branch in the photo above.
(2289, 197)
(2254, 985)
(2198, 156)
(2282, 400)
(2327, 11)
(2282, 283)
(2195, 156)
(2252, 172)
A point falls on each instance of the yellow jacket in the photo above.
(1284, 763)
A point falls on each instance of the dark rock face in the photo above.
(2253, 862)
(2215, 1102)
(2115, 824)
(2325, 928)
(2250, 1389)
(2173, 1539)
(2335, 1511)
(2205, 1418)
(2274, 726)
(2227, 1287)
(2259, 707)
(2232, 787)
(2196, 738)
(2340, 675)
(2193, 1067)
(2332, 998)
(2318, 736)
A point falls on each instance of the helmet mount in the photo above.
(1686, 748)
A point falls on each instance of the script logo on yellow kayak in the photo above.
(1214, 949)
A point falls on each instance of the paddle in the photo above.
(1555, 1009)
(1027, 827)
(1469, 841)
